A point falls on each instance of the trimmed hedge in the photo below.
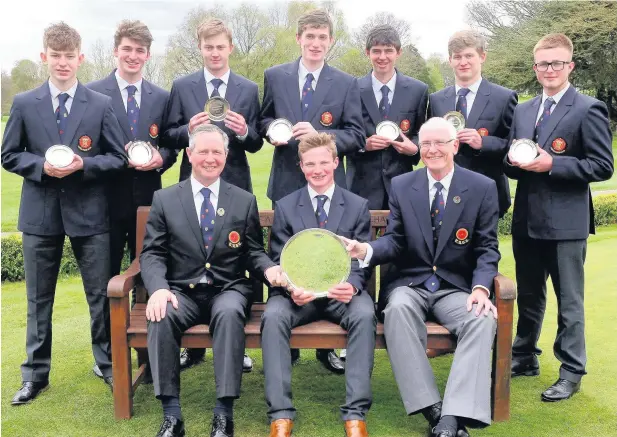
(13, 260)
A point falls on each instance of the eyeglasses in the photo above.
(437, 144)
(555, 65)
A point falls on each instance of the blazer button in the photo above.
(191, 285)
(207, 265)
(434, 268)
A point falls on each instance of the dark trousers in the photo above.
(122, 232)
(42, 256)
(226, 313)
(563, 261)
(282, 315)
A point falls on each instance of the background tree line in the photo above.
(265, 36)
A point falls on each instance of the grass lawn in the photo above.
(79, 404)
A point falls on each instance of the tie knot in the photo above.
(321, 199)
(131, 90)
(310, 78)
(463, 92)
(62, 98)
(548, 103)
(438, 186)
(206, 193)
(216, 83)
(385, 90)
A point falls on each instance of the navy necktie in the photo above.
(216, 83)
(320, 212)
(62, 115)
(437, 209)
(461, 102)
(132, 110)
(546, 114)
(206, 217)
(307, 95)
(384, 105)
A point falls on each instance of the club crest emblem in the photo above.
(154, 130)
(326, 119)
(462, 236)
(405, 125)
(559, 145)
(234, 239)
(483, 131)
(85, 143)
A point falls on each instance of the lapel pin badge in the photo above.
(220, 212)
(456, 199)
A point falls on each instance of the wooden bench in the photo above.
(129, 328)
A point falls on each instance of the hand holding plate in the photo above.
(405, 146)
(236, 123)
(77, 164)
(301, 296)
(376, 142)
(198, 119)
(342, 292)
(542, 164)
(354, 248)
(155, 162)
(471, 137)
(303, 129)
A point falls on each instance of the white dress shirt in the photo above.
(377, 84)
(471, 95)
(313, 195)
(557, 97)
(55, 92)
(222, 87)
(122, 84)
(198, 198)
(303, 72)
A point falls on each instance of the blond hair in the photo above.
(213, 27)
(315, 19)
(554, 40)
(466, 39)
(134, 30)
(61, 37)
(321, 139)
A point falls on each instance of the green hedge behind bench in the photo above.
(13, 262)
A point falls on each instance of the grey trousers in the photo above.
(564, 262)
(467, 393)
(282, 315)
(226, 314)
(42, 256)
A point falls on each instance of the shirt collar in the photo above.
(473, 87)
(377, 83)
(55, 92)
(209, 76)
(302, 72)
(445, 181)
(122, 84)
(557, 97)
(196, 186)
(329, 192)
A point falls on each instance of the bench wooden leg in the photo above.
(121, 358)
(502, 361)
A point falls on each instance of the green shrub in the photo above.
(605, 209)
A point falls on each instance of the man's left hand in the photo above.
(236, 123)
(405, 146)
(155, 162)
(471, 137)
(302, 130)
(342, 292)
(276, 277)
(76, 165)
(480, 297)
(542, 164)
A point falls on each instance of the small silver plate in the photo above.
(523, 151)
(456, 119)
(280, 130)
(216, 108)
(388, 129)
(59, 156)
(140, 152)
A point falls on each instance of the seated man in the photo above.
(445, 262)
(201, 237)
(326, 205)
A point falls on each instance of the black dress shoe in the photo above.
(561, 390)
(171, 427)
(462, 432)
(191, 357)
(526, 365)
(433, 414)
(109, 380)
(97, 371)
(443, 433)
(295, 356)
(329, 359)
(28, 391)
(222, 426)
(247, 364)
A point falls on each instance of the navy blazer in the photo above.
(578, 137)
(174, 256)
(467, 252)
(492, 111)
(188, 97)
(348, 216)
(77, 204)
(336, 93)
(368, 172)
(131, 188)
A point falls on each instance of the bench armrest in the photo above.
(504, 288)
(120, 285)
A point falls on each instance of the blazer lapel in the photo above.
(111, 85)
(335, 214)
(293, 91)
(305, 207)
(200, 91)
(223, 205)
(479, 103)
(420, 205)
(450, 99)
(453, 210)
(529, 120)
(400, 97)
(46, 111)
(234, 90)
(368, 98)
(78, 108)
(562, 108)
(323, 88)
(188, 204)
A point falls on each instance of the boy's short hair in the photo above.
(321, 139)
(553, 40)
(465, 39)
(315, 19)
(61, 37)
(385, 35)
(134, 30)
(212, 27)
